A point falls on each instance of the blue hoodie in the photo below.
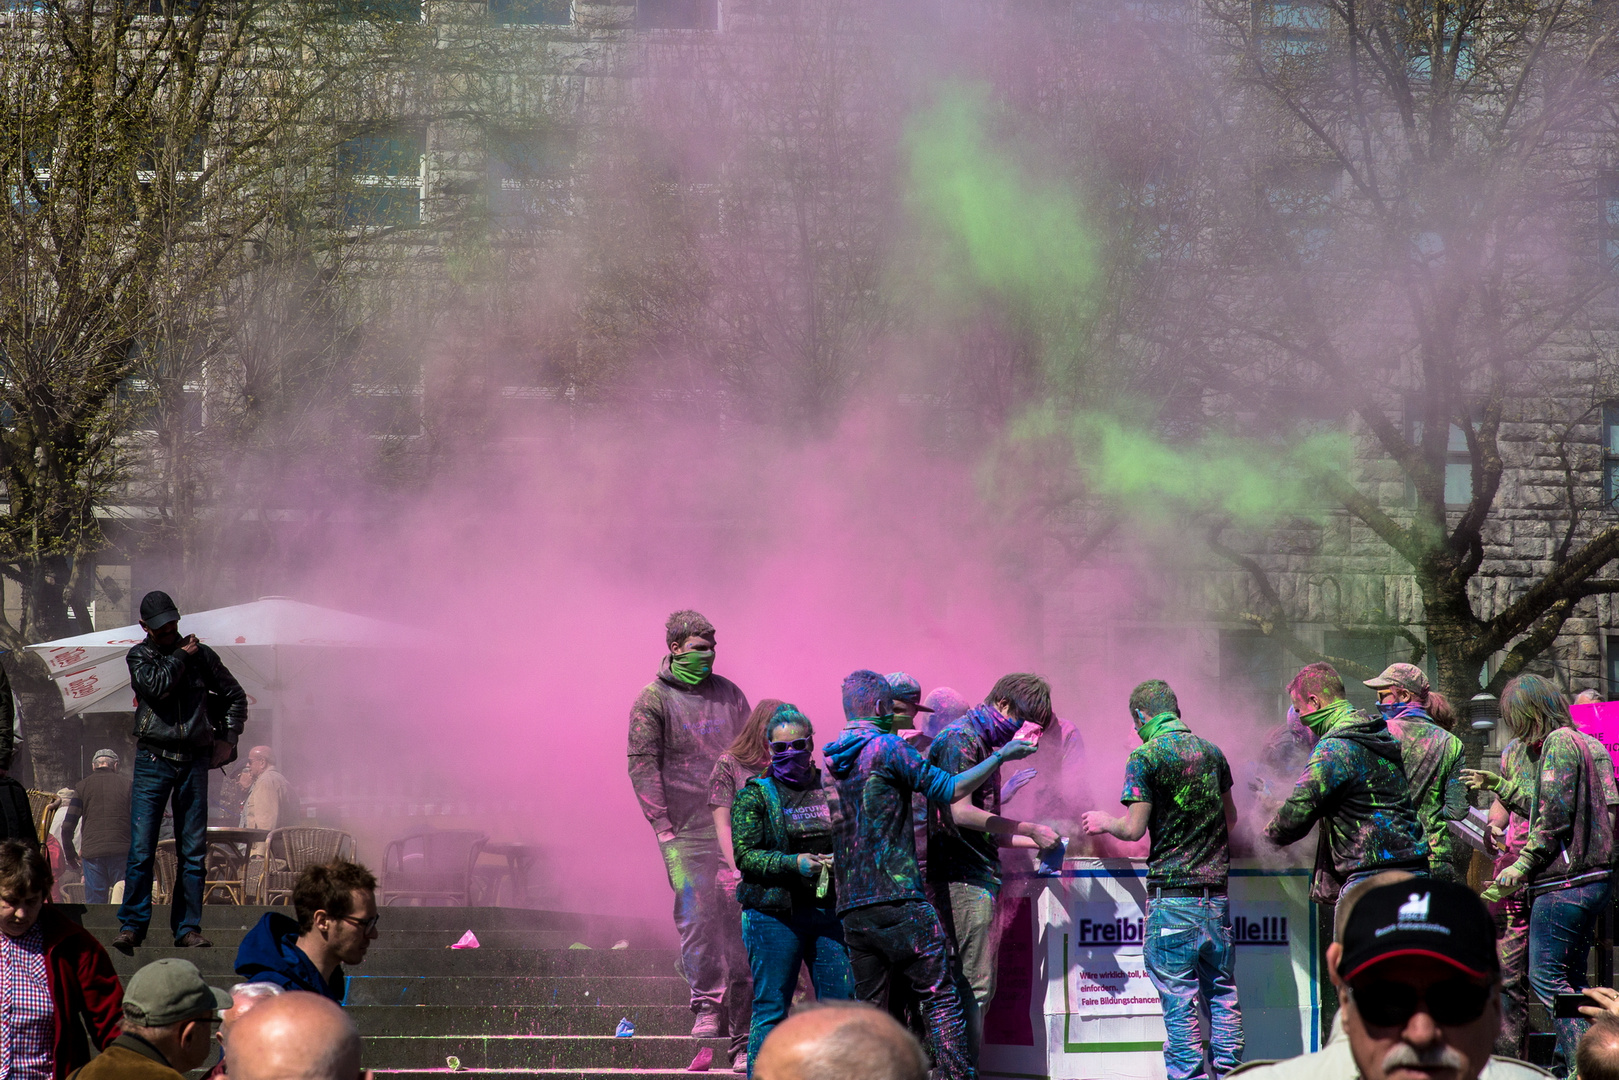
(269, 953)
(874, 775)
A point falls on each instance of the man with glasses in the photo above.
(337, 922)
(1420, 983)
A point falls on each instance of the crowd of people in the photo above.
(875, 878)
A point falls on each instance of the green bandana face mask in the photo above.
(692, 667)
(1322, 720)
(884, 724)
(1158, 725)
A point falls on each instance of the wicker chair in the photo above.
(165, 869)
(289, 852)
(432, 866)
(39, 805)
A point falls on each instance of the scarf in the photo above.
(992, 727)
(793, 768)
(692, 667)
(1325, 719)
(1162, 724)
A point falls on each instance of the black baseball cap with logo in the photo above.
(1440, 920)
(158, 611)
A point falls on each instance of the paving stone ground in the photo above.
(523, 1004)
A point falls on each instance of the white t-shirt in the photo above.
(1335, 1062)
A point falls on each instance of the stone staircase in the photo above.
(523, 1003)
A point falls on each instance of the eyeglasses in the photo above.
(367, 925)
(796, 744)
(1451, 1003)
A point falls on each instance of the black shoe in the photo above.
(193, 940)
(126, 942)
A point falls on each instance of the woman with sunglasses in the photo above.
(781, 833)
(1562, 782)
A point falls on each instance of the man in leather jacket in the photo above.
(190, 715)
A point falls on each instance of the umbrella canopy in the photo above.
(264, 644)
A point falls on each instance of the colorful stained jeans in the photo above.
(692, 860)
(1191, 959)
(1512, 940)
(904, 941)
(778, 946)
(1562, 928)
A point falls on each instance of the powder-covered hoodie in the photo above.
(874, 851)
(1354, 783)
(270, 953)
(677, 733)
(1568, 795)
(1433, 759)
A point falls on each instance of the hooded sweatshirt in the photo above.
(677, 733)
(1432, 758)
(1354, 783)
(1568, 795)
(874, 851)
(269, 953)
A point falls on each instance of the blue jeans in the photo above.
(1354, 880)
(1562, 928)
(159, 782)
(100, 874)
(1190, 955)
(692, 861)
(777, 947)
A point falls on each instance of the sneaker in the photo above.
(193, 940)
(707, 1026)
(740, 1063)
(126, 942)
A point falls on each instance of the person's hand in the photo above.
(666, 836)
(222, 753)
(1494, 837)
(1044, 836)
(244, 779)
(1607, 1001)
(1017, 748)
(810, 865)
(1016, 781)
(190, 645)
(1094, 822)
(1481, 778)
(728, 879)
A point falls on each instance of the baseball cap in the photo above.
(906, 688)
(1441, 920)
(168, 991)
(104, 755)
(1402, 676)
(158, 611)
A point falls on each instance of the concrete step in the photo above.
(613, 991)
(231, 937)
(441, 962)
(667, 1020)
(539, 1052)
(598, 929)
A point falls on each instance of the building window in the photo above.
(1613, 668)
(1608, 218)
(677, 15)
(1253, 670)
(387, 411)
(531, 12)
(1372, 649)
(1291, 32)
(402, 11)
(1458, 463)
(1610, 454)
(381, 176)
(161, 174)
(1299, 201)
(529, 174)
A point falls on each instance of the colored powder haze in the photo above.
(549, 569)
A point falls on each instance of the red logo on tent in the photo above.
(83, 687)
(68, 657)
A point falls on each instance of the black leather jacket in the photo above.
(186, 701)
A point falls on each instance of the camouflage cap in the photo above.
(1401, 676)
(905, 688)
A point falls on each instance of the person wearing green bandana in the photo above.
(679, 726)
(1354, 784)
(1177, 788)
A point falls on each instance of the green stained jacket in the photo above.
(770, 878)
(1433, 758)
(1568, 795)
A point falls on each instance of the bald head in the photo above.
(840, 1041)
(296, 1036)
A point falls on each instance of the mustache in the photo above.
(1405, 1056)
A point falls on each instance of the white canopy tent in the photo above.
(266, 644)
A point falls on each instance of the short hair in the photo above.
(329, 888)
(1029, 694)
(684, 624)
(1533, 708)
(1588, 696)
(870, 1045)
(1153, 697)
(24, 871)
(255, 990)
(867, 694)
(1319, 679)
(1597, 1056)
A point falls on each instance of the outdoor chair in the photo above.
(289, 852)
(40, 806)
(433, 866)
